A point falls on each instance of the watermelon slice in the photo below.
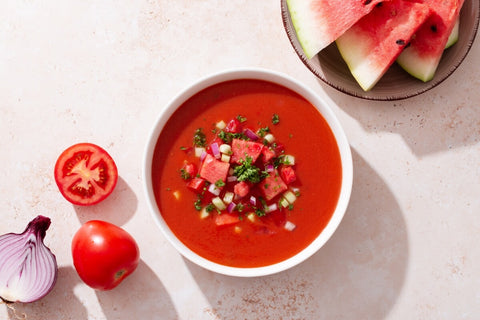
(422, 56)
(318, 23)
(371, 46)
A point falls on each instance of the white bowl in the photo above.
(326, 112)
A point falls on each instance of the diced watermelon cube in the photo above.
(241, 189)
(272, 185)
(288, 174)
(267, 154)
(243, 148)
(234, 126)
(226, 219)
(196, 184)
(279, 148)
(213, 170)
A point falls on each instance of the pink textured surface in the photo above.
(101, 71)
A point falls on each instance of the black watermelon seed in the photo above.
(433, 27)
(400, 42)
(367, 2)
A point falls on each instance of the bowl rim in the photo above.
(369, 95)
(292, 84)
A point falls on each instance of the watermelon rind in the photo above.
(309, 27)
(415, 65)
(422, 57)
(318, 23)
(371, 46)
(453, 38)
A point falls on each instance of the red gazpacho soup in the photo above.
(246, 173)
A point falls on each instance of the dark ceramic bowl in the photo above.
(396, 84)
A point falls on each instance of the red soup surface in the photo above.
(247, 235)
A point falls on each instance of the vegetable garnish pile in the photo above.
(28, 269)
(243, 172)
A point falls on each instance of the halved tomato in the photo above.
(85, 174)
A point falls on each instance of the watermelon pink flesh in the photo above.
(318, 23)
(272, 185)
(371, 46)
(423, 55)
(213, 170)
(242, 149)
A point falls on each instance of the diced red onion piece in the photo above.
(215, 150)
(212, 188)
(250, 134)
(253, 201)
(203, 155)
(231, 206)
(270, 168)
(290, 226)
(271, 208)
(295, 190)
(231, 178)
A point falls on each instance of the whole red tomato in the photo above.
(104, 254)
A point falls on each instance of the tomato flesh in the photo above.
(85, 174)
(104, 254)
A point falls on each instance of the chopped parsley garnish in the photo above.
(199, 138)
(198, 204)
(239, 207)
(263, 131)
(278, 161)
(210, 207)
(227, 137)
(281, 159)
(275, 118)
(241, 118)
(263, 204)
(184, 174)
(260, 213)
(219, 183)
(247, 171)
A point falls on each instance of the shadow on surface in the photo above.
(118, 208)
(438, 120)
(139, 296)
(358, 274)
(61, 296)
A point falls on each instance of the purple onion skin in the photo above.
(36, 228)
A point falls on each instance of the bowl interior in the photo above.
(396, 84)
(346, 162)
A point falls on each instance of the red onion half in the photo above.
(28, 269)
